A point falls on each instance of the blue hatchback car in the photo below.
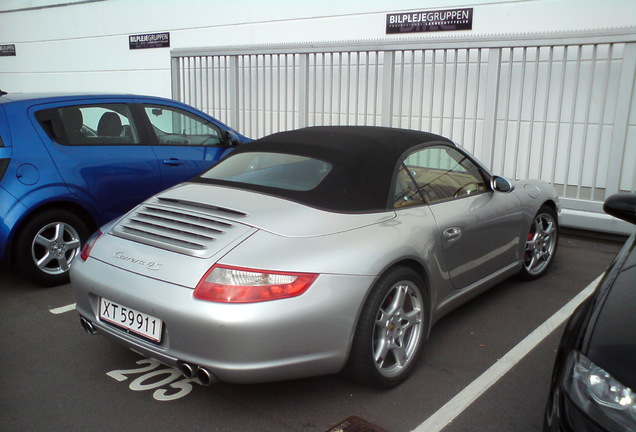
(70, 163)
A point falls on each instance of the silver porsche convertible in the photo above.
(311, 252)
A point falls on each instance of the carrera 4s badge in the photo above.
(150, 265)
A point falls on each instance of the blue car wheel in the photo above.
(48, 244)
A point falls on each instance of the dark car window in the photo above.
(4, 163)
(281, 171)
(173, 126)
(436, 174)
(98, 124)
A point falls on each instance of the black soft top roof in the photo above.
(363, 158)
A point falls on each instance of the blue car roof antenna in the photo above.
(2, 93)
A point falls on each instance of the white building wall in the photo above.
(77, 45)
(581, 140)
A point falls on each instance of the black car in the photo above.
(594, 379)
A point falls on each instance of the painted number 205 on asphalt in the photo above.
(130, 319)
(153, 377)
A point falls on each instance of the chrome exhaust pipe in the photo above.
(88, 326)
(205, 377)
(192, 371)
(189, 371)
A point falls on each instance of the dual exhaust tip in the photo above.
(190, 371)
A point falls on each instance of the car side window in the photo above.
(98, 124)
(438, 173)
(173, 126)
(405, 193)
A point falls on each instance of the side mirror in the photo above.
(501, 184)
(230, 139)
(622, 206)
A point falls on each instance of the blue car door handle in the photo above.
(452, 234)
(173, 162)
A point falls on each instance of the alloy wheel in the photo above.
(54, 247)
(540, 244)
(398, 329)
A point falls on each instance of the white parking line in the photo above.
(63, 309)
(453, 408)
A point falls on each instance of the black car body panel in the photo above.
(602, 330)
(612, 342)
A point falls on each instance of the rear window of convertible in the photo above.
(275, 170)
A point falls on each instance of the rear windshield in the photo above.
(274, 170)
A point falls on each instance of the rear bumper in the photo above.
(244, 343)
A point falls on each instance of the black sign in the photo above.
(7, 50)
(152, 40)
(439, 20)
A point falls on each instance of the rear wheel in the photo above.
(48, 244)
(390, 330)
(541, 244)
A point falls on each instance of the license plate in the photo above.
(130, 319)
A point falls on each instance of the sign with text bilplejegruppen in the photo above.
(427, 21)
(7, 50)
(152, 40)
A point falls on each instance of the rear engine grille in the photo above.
(190, 205)
(182, 226)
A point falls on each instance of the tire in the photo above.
(541, 244)
(390, 330)
(48, 244)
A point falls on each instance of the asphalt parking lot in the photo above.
(55, 377)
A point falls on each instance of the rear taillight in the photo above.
(240, 285)
(88, 246)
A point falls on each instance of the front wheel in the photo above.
(48, 244)
(541, 244)
(390, 330)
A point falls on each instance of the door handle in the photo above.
(452, 234)
(173, 162)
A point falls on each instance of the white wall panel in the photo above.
(53, 36)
